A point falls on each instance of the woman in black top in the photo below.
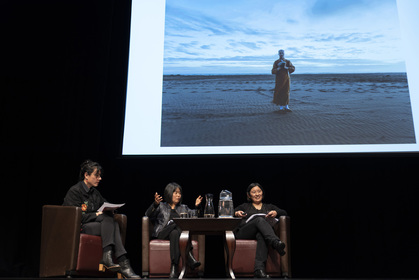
(85, 195)
(259, 227)
(161, 214)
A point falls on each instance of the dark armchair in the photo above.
(276, 266)
(156, 253)
(65, 251)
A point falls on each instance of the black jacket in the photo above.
(160, 215)
(89, 200)
(266, 208)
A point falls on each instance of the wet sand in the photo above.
(237, 110)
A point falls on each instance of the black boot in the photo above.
(127, 271)
(192, 262)
(174, 271)
(107, 262)
(259, 273)
(279, 246)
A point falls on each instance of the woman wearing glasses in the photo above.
(84, 194)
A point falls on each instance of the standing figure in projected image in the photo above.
(84, 194)
(259, 227)
(161, 214)
(282, 69)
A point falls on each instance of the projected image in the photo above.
(226, 84)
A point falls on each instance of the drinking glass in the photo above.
(193, 213)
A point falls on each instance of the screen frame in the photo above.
(154, 63)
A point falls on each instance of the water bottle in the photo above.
(209, 211)
(225, 205)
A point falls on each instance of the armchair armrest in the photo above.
(145, 240)
(121, 219)
(283, 230)
(201, 252)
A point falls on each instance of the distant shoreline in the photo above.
(294, 74)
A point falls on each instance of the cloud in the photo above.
(223, 33)
(346, 37)
(327, 7)
(179, 21)
(248, 45)
(205, 47)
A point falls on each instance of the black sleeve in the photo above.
(242, 207)
(99, 200)
(88, 217)
(152, 211)
(74, 198)
(279, 211)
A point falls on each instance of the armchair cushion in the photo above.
(159, 257)
(244, 259)
(276, 265)
(156, 253)
(65, 251)
(90, 254)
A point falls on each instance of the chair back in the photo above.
(65, 251)
(60, 235)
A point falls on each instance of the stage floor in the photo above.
(29, 278)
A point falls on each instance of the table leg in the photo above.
(230, 242)
(183, 246)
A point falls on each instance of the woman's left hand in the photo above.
(272, 214)
(198, 200)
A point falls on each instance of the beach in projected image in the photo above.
(349, 86)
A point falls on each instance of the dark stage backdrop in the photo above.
(63, 79)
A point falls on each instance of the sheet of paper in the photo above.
(109, 206)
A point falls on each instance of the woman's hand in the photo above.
(98, 213)
(272, 214)
(198, 201)
(157, 199)
(240, 214)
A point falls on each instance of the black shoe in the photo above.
(107, 263)
(279, 246)
(259, 273)
(173, 271)
(127, 271)
(192, 262)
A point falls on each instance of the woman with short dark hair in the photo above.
(84, 194)
(259, 227)
(161, 214)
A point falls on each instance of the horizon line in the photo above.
(259, 74)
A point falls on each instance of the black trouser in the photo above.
(172, 233)
(106, 227)
(264, 234)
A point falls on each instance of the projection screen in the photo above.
(200, 77)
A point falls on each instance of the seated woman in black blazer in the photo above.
(259, 227)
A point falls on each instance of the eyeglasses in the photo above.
(256, 192)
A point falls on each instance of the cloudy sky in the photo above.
(318, 36)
